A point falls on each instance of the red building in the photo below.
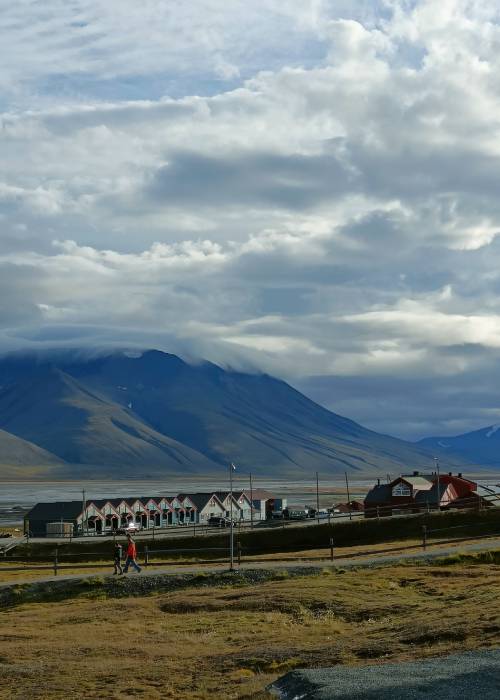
(419, 492)
(351, 507)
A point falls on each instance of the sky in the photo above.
(308, 188)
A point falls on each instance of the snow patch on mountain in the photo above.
(493, 429)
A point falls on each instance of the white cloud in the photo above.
(304, 187)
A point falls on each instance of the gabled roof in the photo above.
(117, 501)
(417, 482)
(222, 495)
(200, 500)
(431, 495)
(380, 493)
(67, 510)
(242, 494)
(101, 502)
(261, 494)
(130, 501)
(185, 497)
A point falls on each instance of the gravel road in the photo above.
(469, 676)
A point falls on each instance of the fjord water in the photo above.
(18, 497)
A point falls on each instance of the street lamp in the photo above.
(436, 461)
(232, 468)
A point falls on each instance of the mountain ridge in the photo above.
(481, 446)
(154, 414)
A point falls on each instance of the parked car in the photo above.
(295, 513)
(129, 529)
(216, 521)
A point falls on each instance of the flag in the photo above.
(233, 467)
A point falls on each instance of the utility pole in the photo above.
(84, 512)
(317, 496)
(231, 533)
(348, 496)
(436, 460)
(251, 502)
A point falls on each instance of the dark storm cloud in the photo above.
(19, 288)
(253, 179)
(411, 408)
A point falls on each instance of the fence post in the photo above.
(331, 548)
(146, 555)
(56, 557)
(378, 513)
(238, 549)
(424, 536)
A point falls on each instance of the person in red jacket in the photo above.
(131, 556)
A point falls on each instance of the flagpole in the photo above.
(231, 538)
(251, 502)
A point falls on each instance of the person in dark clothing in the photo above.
(117, 559)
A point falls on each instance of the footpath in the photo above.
(313, 564)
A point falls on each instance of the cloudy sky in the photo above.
(305, 187)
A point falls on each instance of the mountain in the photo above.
(49, 408)
(153, 414)
(477, 447)
(19, 452)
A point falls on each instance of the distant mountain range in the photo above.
(477, 447)
(153, 414)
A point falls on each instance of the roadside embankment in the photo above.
(122, 587)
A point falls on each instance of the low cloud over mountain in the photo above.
(153, 414)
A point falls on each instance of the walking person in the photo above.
(131, 556)
(117, 559)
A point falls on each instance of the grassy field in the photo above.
(230, 641)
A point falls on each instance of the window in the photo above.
(401, 489)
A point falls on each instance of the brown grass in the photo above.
(229, 642)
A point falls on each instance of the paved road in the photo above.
(466, 676)
(347, 562)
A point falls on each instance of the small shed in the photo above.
(37, 519)
(60, 529)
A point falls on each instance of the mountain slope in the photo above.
(478, 447)
(51, 409)
(18, 452)
(155, 413)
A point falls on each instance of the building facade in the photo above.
(100, 516)
(414, 493)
